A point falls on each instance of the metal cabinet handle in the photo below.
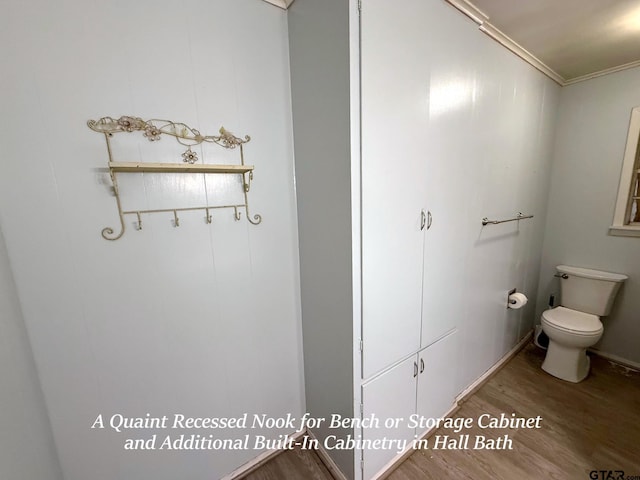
(415, 369)
(430, 219)
(421, 365)
(564, 276)
(423, 219)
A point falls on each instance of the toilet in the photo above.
(586, 295)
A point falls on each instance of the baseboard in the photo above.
(401, 457)
(616, 359)
(475, 386)
(255, 463)
(264, 457)
(327, 460)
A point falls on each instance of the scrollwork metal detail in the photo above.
(154, 128)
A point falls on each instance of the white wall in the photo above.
(201, 320)
(319, 56)
(27, 451)
(592, 129)
(489, 123)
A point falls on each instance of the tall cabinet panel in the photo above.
(394, 120)
(457, 110)
(445, 252)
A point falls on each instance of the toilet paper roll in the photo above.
(517, 300)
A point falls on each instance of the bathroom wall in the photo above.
(27, 451)
(489, 120)
(592, 130)
(202, 320)
(319, 59)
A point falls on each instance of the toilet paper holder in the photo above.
(509, 293)
(518, 302)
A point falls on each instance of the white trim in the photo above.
(624, 231)
(616, 359)
(284, 4)
(482, 19)
(478, 16)
(624, 187)
(356, 211)
(401, 457)
(471, 389)
(459, 400)
(600, 73)
(327, 460)
(470, 10)
(527, 56)
(257, 462)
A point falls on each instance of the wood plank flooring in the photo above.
(592, 425)
(292, 464)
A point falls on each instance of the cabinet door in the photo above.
(437, 378)
(444, 270)
(394, 120)
(391, 395)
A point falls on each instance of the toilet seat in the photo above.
(572, 321)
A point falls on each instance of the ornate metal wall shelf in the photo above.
(153, 130)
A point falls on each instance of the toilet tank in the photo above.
(587, 290)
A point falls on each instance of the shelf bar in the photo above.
(188, 209)
(520, 216)
(178, 168)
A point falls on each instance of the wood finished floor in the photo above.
(592, 425)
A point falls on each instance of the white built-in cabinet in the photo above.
(410, 126)
(409, 341)
(405, 340)
(403, 266)
(422, 385)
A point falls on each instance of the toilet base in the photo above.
(567, 363)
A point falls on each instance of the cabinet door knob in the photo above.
(430, 219)
(423, 219)
(415, 369)
(421, 365)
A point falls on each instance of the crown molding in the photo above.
(470, 10)
(482, 19)
(527, 56)
(284, 4)
(600, 73)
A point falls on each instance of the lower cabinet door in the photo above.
(389, 399)
(437, 367)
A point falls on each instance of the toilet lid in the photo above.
(572, 320)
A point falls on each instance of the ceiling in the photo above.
(568, 40)
(573, 39)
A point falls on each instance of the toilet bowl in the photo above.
(586, 295)
(570, 334)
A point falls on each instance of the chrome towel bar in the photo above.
(520, 216)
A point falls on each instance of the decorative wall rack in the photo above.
(153, 130)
